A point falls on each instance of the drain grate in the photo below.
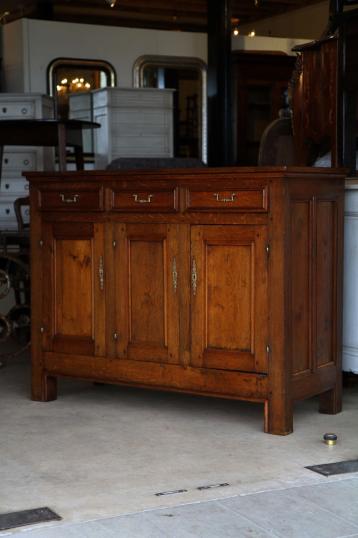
(340, 467)
(172, 492)
(213, 486)
(27, 517)
(200, 488)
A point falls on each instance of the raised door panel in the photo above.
(326, 306)
(146, 284)
(73, 275)
(313, 284)
(301, 286)
(229, 314)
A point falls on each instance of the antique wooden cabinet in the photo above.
(223, 282)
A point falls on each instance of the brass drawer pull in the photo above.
(142, 200)
(194, 276)
(70, 200)
(175, 275)
(101, 273)
(231, 199)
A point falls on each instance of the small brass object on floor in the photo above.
(330, 438)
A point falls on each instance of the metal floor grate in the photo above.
(340, 467)
(27, 517)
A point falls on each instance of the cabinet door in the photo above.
(229, 312)
(147, 287)
(73, 280)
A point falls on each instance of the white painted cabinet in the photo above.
(80, 108)
(135, 122)
(18, 159)
(350, 291)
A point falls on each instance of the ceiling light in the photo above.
(235, 26)
(4, 15)
(111, 3)
(252, 33)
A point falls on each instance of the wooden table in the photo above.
(46, 132)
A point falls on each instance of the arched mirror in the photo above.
(67, 76)
(188, 77)
(70, 81)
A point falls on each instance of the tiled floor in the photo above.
(319, 511)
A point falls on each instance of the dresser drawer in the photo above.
(17, 186)
(14, 110)
(71, 199)
(7, 212)
(161, 201)
(16, 161)
(227, 199)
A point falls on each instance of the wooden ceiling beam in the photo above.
(145, 19)
(133, 11)
(188, 15)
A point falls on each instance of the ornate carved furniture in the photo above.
(314, 101)
(260, 82)
(223, 282)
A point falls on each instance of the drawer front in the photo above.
(18, 161)
(13, 110)
(7, 208)
(227, 200)
(7, 213)
(165, 201)
(14, 185)
(67, 199)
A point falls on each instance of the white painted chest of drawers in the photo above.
(135, 122)
(18, 159)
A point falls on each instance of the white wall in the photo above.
(307, 23)
(13, 57)
(260, 43)
(30, 45)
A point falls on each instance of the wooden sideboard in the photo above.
(222, 282)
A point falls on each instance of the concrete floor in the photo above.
(102, 451)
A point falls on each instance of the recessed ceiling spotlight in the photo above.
(236, 31)
(111, 3)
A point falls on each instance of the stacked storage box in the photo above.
(18, 159)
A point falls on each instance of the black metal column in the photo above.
(348, 94)
(44, 9)
(219, 83)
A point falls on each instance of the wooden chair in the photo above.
(19, 203)
(276, 144)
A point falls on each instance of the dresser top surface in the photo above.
(191, 174)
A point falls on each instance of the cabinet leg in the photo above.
(44, 387)
(278, 417)
(330, 402)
